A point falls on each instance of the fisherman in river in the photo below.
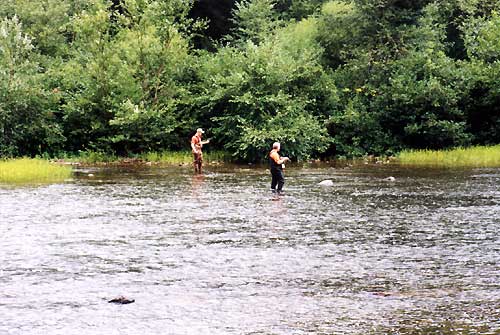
(196, 145)
(277, 163)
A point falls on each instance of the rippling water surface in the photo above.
(219, 254)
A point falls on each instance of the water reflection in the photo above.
(197, 181)
(219, 254)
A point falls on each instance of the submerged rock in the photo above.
(121, 300)
(327, 182)
(383, 294)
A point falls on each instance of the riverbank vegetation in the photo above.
(326, 78)
(28, 170)
(156, 157)
(184, 157)
(458, 157)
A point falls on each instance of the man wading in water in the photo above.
(196, 145)
(276, 165)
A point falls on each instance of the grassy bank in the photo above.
(479, 156)
(183, 157)
(28, 170)
(163, 157)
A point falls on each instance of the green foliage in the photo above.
(390, 13)
(122, 89)
(384, 24)
(268, 92)
(339, 32)
(27, 124)
(45, 21)
(482, 98)
(481, 101)
(298, 9)
(412, 99)
(183, 157)
(358, 131)
(349, 78)
(482, 38)
(301, 134)
(253, 20)
(425, 88)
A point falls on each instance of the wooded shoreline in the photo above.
(325, 78)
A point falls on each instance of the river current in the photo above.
(219, 254)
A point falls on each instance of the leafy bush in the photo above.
(350, 78)
(27, 124)
(267, 92)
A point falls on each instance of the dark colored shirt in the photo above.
(274, 158)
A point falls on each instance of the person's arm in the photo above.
(279, 160)
(283, 160)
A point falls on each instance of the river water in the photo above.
(219, 254)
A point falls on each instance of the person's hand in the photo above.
(286, 159)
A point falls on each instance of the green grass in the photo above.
(183, 157)
(479, 156)
(157, 157)
(28, 170)
(88, 157)
(167, 157)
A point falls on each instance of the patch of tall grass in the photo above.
(479, 156)
(183, 157)
(91, 157)
(167, 157)
(88, 157)
(32, 170)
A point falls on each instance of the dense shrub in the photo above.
(27, 122)
(350, 78)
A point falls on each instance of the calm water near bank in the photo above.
(218, 254)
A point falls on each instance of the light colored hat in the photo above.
(199, 130)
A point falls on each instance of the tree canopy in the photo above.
(344, 78)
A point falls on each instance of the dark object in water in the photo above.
(121, 300)
(382, 294)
